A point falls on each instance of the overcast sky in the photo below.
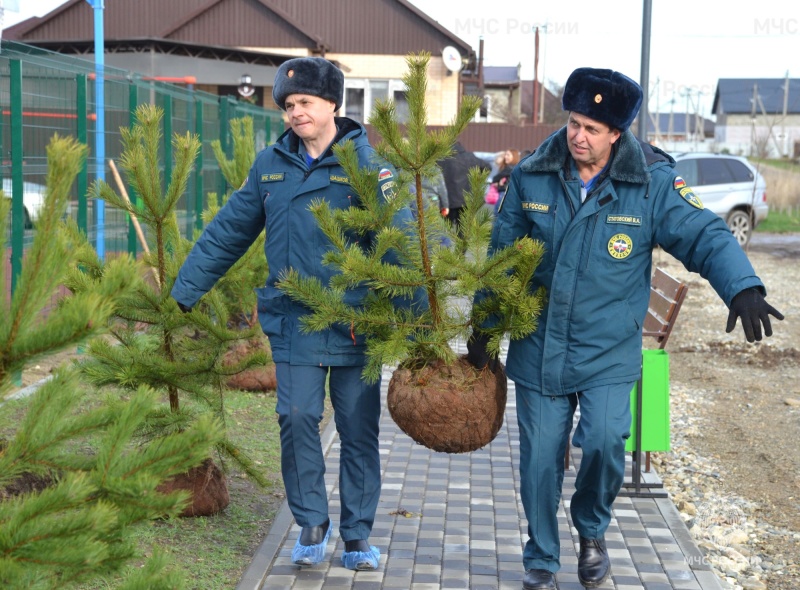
(693, 43)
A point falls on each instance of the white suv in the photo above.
(729, 186)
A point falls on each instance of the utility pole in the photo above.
(644, 77)
(783, 119)
(535, 112)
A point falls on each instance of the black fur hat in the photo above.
(308, 75)
(603, 95)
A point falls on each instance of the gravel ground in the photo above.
(734, 468)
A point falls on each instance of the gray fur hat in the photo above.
(603, 95)
(315, 76)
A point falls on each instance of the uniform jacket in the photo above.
(276, 196)
(597, 264)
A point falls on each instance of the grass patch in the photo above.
(780, 222)
(210, 552)
(782, 164)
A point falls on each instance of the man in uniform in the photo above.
(284, 180)
(600, 201)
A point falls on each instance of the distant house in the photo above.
(758, 116)
(219, 42)
(677, 131)
(510, 99)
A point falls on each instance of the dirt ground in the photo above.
(752, 425)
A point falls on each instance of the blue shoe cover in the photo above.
(362, 560)
(310, 554)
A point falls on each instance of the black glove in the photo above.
(476, 352)
(183, 307)
(754, 310)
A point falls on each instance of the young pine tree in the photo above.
(450, 276)
(179, 354)
(78, 528)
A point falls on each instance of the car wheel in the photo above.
(741, 226)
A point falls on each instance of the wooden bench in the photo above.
(666, 297)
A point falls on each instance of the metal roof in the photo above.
(735, 96)
(376, 27)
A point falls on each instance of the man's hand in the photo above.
(182, 307)
(477, 355)
(444, 212)
(753, 309)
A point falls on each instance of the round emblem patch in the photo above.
(620, 246)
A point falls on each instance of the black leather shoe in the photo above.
(539, 580)
(313, 535)
(593, 563)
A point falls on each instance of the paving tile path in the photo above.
(456, 521)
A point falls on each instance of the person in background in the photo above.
(600, 201)
(455, 170)
(434, 191)
(285, 179)
(509, 160)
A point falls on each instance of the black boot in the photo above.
(539, 580)
(593, 563)
(313, 535)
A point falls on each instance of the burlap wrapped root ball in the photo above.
(449, 408)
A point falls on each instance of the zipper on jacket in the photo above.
(566, 195)
(588, 246)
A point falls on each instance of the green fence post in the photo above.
(198, 168)
(224, 125)
(17, 214)
(133, 102)
(17, 210)
(83, 136)
(167, 102)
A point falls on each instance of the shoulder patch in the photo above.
(688, 195)
(385, 174)
(272, 177)
(388, 190)
(679, 183)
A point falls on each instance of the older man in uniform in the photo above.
(600, 201)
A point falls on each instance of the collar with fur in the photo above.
(632, 159)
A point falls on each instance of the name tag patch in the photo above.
(272, 177)
(339, 179)
(625, 219)
(537, 207)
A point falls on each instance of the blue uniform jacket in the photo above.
(276, 196)
(598, 260)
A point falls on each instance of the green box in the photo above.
(655, 403)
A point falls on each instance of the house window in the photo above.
(360, 96)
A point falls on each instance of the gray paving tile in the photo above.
(469, 531)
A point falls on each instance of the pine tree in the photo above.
(180, 354)
(438, 399)
(250, 271)
(448, 275)
(78, 527)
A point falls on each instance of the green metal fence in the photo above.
(42, 93)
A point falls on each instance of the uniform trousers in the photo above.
(357, 408)
(545, 423)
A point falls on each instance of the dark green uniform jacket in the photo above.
(597, 265)
(276, 196)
